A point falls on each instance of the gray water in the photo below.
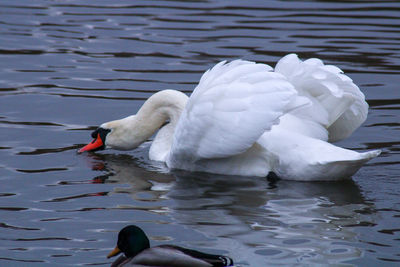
(67, 66)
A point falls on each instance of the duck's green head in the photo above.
(131, 241)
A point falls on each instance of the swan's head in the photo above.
(128, 133)
(124, 134)
(98, 142)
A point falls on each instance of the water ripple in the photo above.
(66, 67)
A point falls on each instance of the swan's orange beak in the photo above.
(113, 253)
(95, 144)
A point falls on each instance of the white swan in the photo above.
(247, 119)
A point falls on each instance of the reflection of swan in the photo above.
(124, 169)
(246, 119)
(289, 223)
(262, 223)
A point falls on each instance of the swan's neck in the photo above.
(173, 103)
(130, 132)
(163, 106)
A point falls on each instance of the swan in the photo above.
(246, 118)
(135, 245)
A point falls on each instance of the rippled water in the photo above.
(67, 66)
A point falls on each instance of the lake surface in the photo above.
(68, 66)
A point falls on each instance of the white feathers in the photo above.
(337, 103)
(247, 119)
(232, 106)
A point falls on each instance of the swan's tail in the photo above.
(370, 154)
(342, 169)
(298, 157)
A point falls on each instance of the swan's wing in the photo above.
(337, 103)
(231, 107)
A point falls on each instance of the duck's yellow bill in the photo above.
(113, 253)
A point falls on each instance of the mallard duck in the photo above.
(135, 245)
(249, 119)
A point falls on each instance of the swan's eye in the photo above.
(94, 133)
(102, 132)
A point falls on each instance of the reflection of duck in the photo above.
(246, 119)
(133, 242)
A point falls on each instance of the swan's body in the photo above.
(248, 119)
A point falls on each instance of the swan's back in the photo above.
(337, 103)
(231, 107)
(245, 118)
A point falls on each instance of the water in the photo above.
(67, 66)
